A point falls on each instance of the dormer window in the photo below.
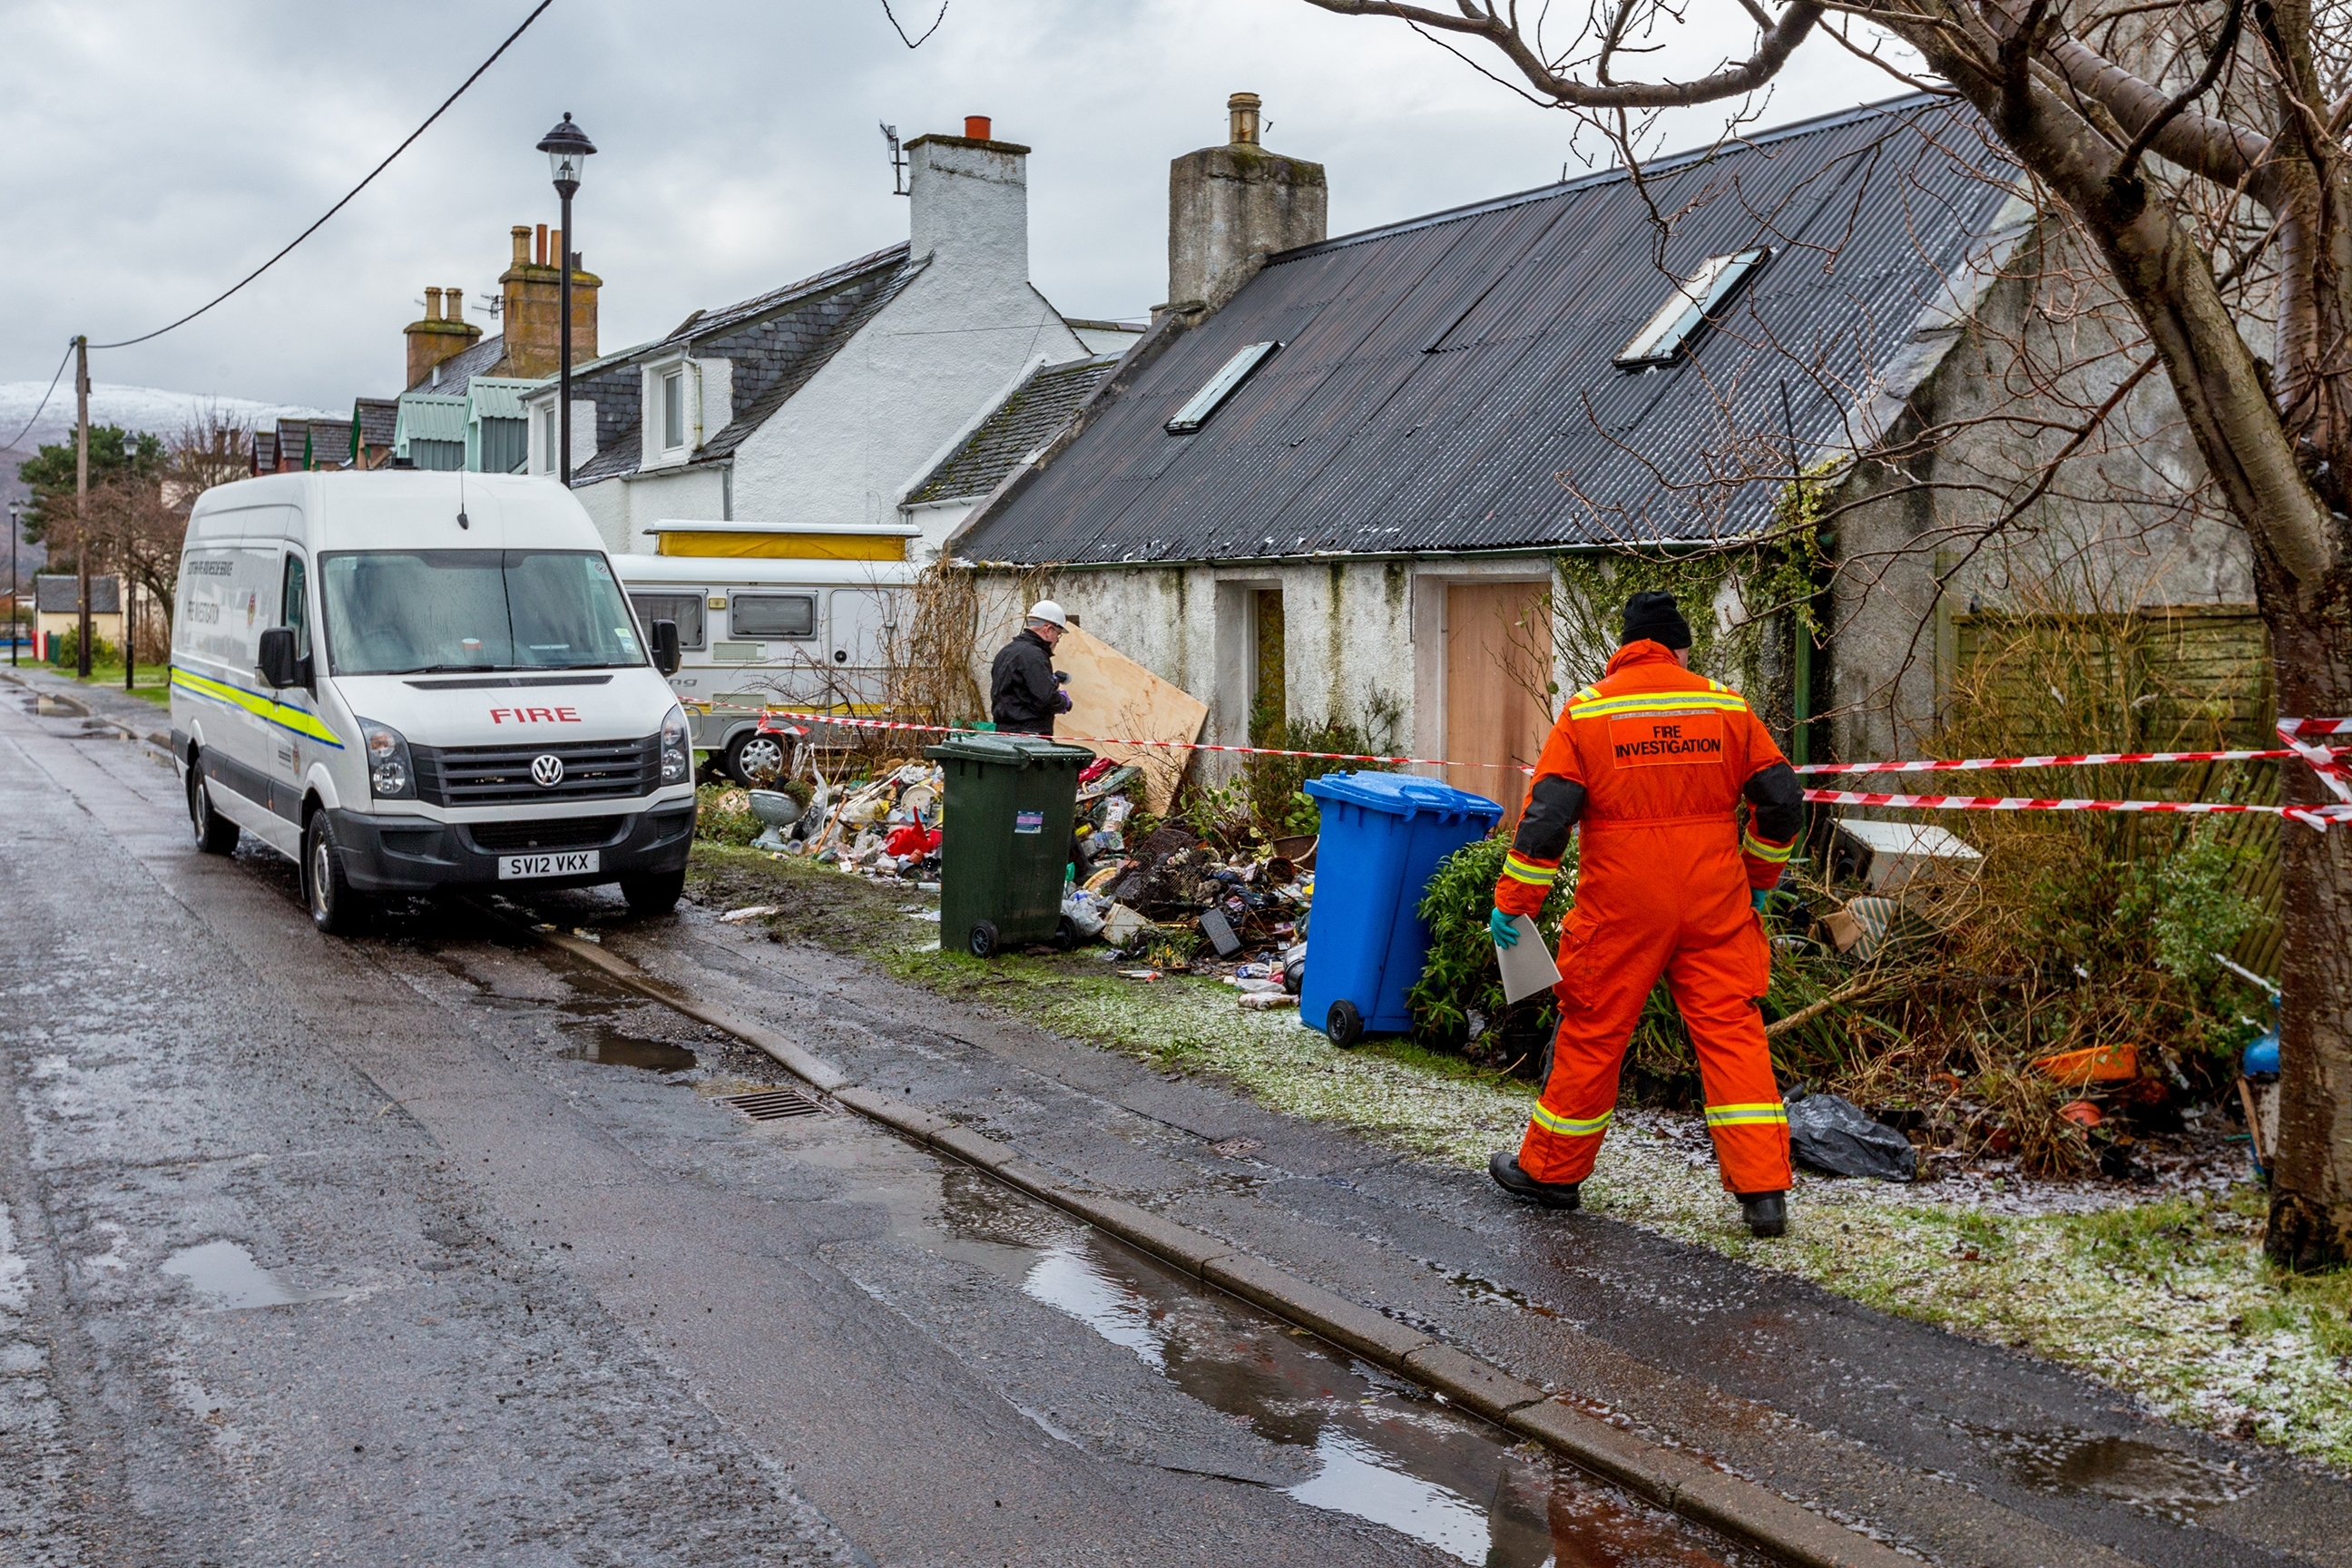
(673, 410)
(547, 437)
(1688, 307)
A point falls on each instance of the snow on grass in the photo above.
(2170, 1300)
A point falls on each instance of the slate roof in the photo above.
(329, 441)
(777, 342)
(457, 369)
(377, 418)
(1446, 383)
(59, 594)
(264, 451)
(1028, 418)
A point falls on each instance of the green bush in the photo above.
(1460, 975)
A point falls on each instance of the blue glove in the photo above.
(1062, 703)
(1504, 933)
(1756, 899)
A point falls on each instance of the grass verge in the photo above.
(2170, 1300)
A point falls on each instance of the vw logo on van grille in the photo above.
(547, 770)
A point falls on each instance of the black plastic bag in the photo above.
(1827, 1133)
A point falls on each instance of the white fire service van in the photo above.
(408, 681)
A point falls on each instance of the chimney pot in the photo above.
(521, 243)
(433, 304)
(539, 253)
(456, 309)
(975, 126)
(1242, 109)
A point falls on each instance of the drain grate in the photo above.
(769, 1104)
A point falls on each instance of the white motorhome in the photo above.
(408, 681)
(811, 630)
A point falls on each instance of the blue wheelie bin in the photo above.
(1382, 837)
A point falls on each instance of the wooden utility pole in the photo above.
(81, 497)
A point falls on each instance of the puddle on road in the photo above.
(49, 707)
(2154, 1480)
(227, 1273)
(1385, 1451)
(597, 1039)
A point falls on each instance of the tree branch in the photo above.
(1485, 24)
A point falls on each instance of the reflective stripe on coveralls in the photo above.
(1659, 758)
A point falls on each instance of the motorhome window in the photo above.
(409, 612)
(297, 603)
(686, 609)
(673, 393)
(792, 616)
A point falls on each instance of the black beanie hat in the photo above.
(1654, 616)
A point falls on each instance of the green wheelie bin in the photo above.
(1011, 800)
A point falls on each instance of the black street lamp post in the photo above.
(16, 594)
(567, 148)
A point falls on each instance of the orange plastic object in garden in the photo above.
(2080, 1112)
(2093, 1064)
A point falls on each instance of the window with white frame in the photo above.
(673, 409)
(547, 440)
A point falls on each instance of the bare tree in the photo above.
(2236, 165)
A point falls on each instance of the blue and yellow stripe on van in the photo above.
(293, 720)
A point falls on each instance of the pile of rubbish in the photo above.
(1171, 899)
(885, 826)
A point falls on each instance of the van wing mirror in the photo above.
(280, 667)
(665, 635)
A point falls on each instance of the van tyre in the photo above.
(755, 761)
(655, 894)
(215, 833)
(335, 907)
(1343, 1024)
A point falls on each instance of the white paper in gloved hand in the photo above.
(1526, 968)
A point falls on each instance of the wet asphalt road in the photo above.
(426, 1249)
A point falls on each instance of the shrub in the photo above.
(1460, 976)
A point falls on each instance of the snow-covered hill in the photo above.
(146, 408)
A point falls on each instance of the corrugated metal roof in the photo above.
(497, 396)
(1027, 418)
(427, 416)
(1446, 383)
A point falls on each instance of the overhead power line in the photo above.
(354, 191)
(44, 399)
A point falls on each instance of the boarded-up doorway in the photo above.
(1498, 663)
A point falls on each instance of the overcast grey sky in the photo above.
(157, 150)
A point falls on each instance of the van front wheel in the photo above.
(335, 909)
(656, 894)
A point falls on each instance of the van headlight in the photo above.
(677, 748)
(391, 775)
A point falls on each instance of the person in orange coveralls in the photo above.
(1651, 764)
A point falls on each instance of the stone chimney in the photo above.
(437, 337)
(969, 201)
(1229, 207)
(532, 291)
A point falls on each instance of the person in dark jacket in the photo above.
(1023, 691)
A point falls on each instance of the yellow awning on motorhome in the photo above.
(812, 541)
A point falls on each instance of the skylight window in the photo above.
(1222, 385)
(1687, 308)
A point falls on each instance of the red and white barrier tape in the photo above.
(2325, 760)
(2316, 817)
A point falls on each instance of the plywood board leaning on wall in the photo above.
(1110, 694)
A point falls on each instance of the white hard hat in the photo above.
(1047, 610)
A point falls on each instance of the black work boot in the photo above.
(1504, 1169)
(1767, 1214)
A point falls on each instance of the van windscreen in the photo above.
(410, 611)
